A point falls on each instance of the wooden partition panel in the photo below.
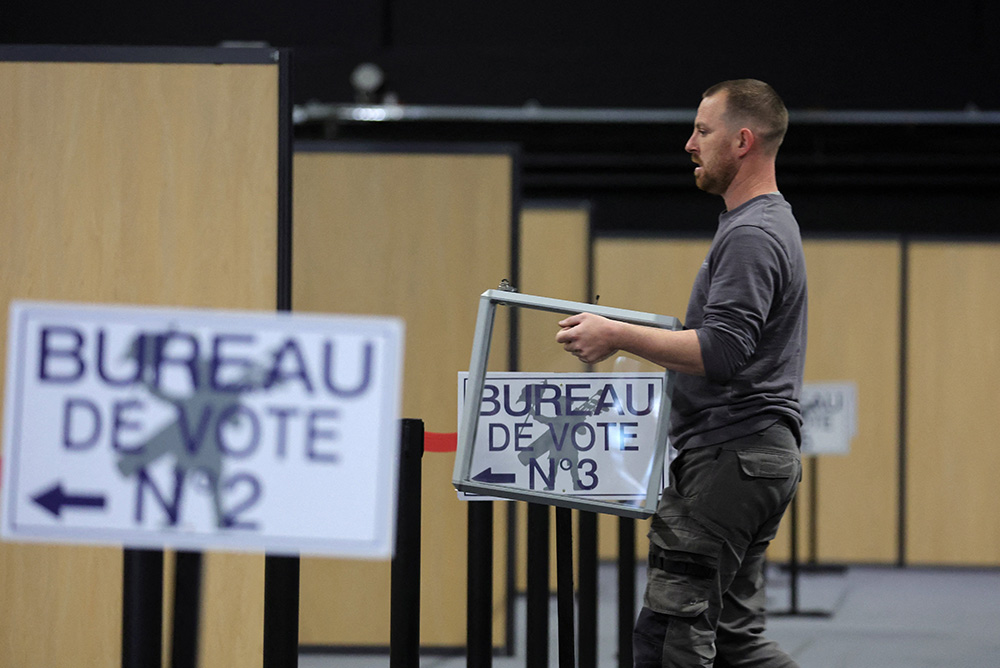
(854, 336)
(952, 421)
(555, 259)
(141, 183)
(653, 275)
(418, 234)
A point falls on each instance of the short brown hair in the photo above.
(757, 105)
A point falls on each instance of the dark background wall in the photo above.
(653, 54)
(641, 53)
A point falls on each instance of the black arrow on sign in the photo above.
(489, 476)
(54, 498)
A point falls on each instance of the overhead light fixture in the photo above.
(367, 80)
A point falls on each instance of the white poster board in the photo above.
(200, 429)
(829, 418)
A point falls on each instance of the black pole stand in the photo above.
(404, 634)
(281, 573)
(142, 608)
(587, 596)
(187, 610)
(281, 612)
(479, 629)
(793, 571)
(510, 612)
(813, 506)
(812, 564)
(793, 561)
(537, 617)
(564, 587)
(626, 589)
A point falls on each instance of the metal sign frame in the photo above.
(469, 424)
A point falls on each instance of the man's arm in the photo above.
(593, 338)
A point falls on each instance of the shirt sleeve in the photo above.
(745, 276)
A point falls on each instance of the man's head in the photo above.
(739, 123)
(754, 104)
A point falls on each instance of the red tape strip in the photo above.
(434, 442)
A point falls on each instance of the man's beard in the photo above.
(716, 181)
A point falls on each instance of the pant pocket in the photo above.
(769, 463)
(677, 599)
(683, 568)
(683, 604)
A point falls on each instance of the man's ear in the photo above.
(746, 140)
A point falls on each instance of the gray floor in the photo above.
(866, 618)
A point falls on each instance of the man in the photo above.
(735, 419)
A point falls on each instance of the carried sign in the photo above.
(198, 429)
(587, 441)
(584, 435)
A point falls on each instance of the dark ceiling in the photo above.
(874, 177)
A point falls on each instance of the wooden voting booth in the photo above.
(951, 419)
(854, 335)
(418, 232)
(654, 274)
(555, 248)
(138, 176)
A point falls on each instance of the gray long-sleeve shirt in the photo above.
(748, 305)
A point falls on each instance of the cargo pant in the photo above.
(704, 599)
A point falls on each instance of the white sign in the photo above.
(829, 418)
(584, 435)
(198, 429)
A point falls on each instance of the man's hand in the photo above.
(594, 339)
(590, 337)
